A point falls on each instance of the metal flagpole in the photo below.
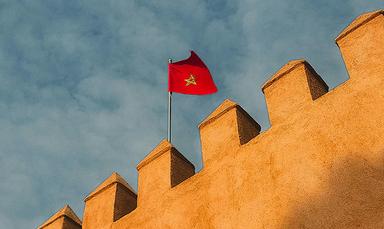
(169, 110)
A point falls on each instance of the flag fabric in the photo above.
(190, 76)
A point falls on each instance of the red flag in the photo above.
(190, 76)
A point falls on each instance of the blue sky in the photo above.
(83, 83)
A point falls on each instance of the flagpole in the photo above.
(169, 110)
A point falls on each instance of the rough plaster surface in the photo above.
(320, 165)
(65, 218)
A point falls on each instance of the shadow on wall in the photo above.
(353, 198)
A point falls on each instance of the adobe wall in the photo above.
(320, 165)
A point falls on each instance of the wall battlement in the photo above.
(319, 165)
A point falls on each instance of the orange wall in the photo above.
(320, 165)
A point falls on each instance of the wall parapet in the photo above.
(362, 45)
(163, 168)
(224, 107)
(227, 128)
(358, 22)
(158, 152)
(242, 168)
(65, 218)
(115, 178)
(293, 86)
(115, 196)
(290, 66)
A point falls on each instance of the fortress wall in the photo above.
(316, 171)
(319, 165)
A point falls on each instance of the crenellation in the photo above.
(115, 196)
(163, 168)
(225, 130)
(295, 85)
(65, 218)
(320, 165)
(362, 45)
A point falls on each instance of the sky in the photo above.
(83, 84)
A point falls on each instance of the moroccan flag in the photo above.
(190, 76)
